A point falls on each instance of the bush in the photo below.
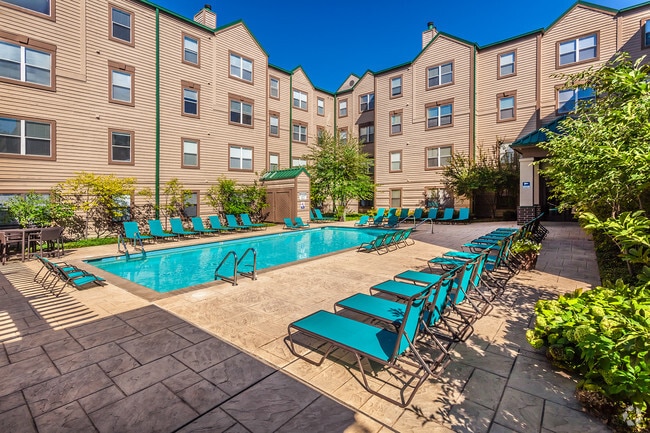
(603, 335)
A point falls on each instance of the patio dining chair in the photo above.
(50, 237)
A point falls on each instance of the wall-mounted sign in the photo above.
(302, 205)
(525, 184)
(302, 196)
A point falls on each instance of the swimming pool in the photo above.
(176, 268)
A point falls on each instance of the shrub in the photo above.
(603, 335)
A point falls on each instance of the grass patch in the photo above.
(89, 242)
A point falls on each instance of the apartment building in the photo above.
(129, 88)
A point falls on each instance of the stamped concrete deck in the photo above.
(214, 359)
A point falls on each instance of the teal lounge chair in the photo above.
(288, 224)
(432, 215)
(232, 222)
(392, 221)
(132, 232)
(463, 216)
(215, 223)
(447, 216)
(320, 217)
(377, 220)
(300, 223)
(197, 225)
(65, 274)
(178, 229)
(363, 221)
(246, 221)
(403, 213)
(387, 347)
(156, 230)
(380, 212)
(417, 214)
(377, 244)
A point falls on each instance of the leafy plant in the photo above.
(525, 246)
(176, 198)
(602, 334)
(38, 209)
(226, 197)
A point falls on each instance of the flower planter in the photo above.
(528, 260)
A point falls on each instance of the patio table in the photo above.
(14, 234)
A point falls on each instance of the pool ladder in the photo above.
(121, 242)
(252, 274)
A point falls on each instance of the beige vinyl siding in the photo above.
(301, 82)
(237, 40)
(632, 32)
(580, 21)
(280, 145)
(490, 86)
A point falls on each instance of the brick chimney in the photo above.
(206, 17)
(428, 34)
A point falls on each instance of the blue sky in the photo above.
(332, 39)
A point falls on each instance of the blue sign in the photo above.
(525, 184)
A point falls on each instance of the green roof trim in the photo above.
(514, 38)
(538, 136)
(234, 23)
(287, 173)
(629, 8)
(278, 68)
(392, 68)
(176, 15)
(580, 3)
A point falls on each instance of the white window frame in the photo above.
(116, 83)
(299, 133)
(440, 158)
(367, 102)
(23, 63)
(343, 108)
(188, 151)
(393, 116)
(241, 68)
(505, 62)
(393, 87)
(274, 88)
(507, 105)
(298, 162)
(24, 138)
(300, 99)
(572, 97)
(320, 106)
(274, 124)
(187, 93)
(436, 113)
(128, 134)
(274, 161)
(114, 23)
(240, 108)
(367, 133)
(241, 155)
(395, 161)
(444, 78)
(577, 47)
(188, 49)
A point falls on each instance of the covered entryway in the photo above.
(287, 194)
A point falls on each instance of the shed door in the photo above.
(281, 204)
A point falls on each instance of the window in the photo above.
(343, 135)
(343, 107)
(367, 102)
(300, 99)
(440, 75)
(241, 111)
(40, 6)
(241, 67)
(274, 124)
(190, 153)
(300, 132)
(190, 50)
(396, 198)
(190, 99)
(578, 50)
(439, 114)
(298, 162)
(191, 205)
(21, 63)
(506, 64)
(645, 33)
(121, 83)
(121, 147)
(320, 107)
(506, 106)
(438, 156)
(241, 158)
(274, 161)
(367, 133)
(122, 208)
(26, 137)
(396, 87)
(121, 25)
(274, 88)
(396, 161)
(568, 98)
(396, 123)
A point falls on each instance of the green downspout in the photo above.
(474, 107)
(336, 98)
(291, 120)
(157, 113)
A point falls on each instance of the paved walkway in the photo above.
(214, 359)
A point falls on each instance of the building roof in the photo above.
(287, 173)
(538, 136)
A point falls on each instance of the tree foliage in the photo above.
(339, 171)
(99, 199)
(176, 199)
(39, 210)
(488, 175)
(226, 197)
(599, 161)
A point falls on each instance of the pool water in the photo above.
(176, 268)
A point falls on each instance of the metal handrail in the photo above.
(121, 241)
(144, 253)
(252, 274)
(232, 280)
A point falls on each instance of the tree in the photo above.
(176, 198)
(489, 176)
(339, 171)
(226, 197)
(101, 199)
(37, 209)
(599, 161)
